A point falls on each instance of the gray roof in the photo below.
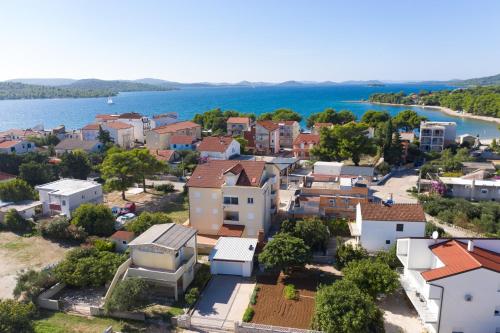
(169, 235)
(74, 144)
(479, 165)
(357, 170)
(234, 249)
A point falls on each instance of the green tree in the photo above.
(346, 253)
(103, 136)
(31, 283)
(394, 154)
(390, 257)
(343, 142)
(36, 173)
(94, 219)
(375, 118)
(13, 221)
(128, 295)
(16, 190)
(284, 252)
(243, 143)
(343, 308)
(119, 171)
(145, 164)
(145, 220)
(281, 115)
(16, 317)
(84, 267)
(371, 276)
(408, 120)
(75, 164)
(329, 115)
(313, 232)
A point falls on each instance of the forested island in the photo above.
(78, 89)
(482, 101)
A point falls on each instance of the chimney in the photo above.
(470, 245)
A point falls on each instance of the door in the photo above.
(228, 267)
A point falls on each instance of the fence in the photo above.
(261, 328)
(44, 299)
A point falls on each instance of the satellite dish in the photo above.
(435, 234)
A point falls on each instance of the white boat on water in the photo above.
(110, 101)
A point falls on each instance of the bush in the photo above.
(31, 283)
(192, 296)
(290, 292)
(285, 252)
(146, 220)
(16, 317)
(13, 221)
(313, 232)
(248, 315)
(129, 294)
(338, 227)
(55, 229)
(16, 190)
(389, 257)
(104, 245)
(383, 168)
(347, 253)
(253, 298)
(202, 277)
(94, 219)
(372, 277)
(166, 188)
(430, 228)
(287, 226)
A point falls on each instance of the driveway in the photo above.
(397, 186)
(223, 302)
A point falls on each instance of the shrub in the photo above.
(389, 257)
(253, 298)
(145, 220)
(290, 292)
(430, 228)
(202, 277)
(287, 226)
(383, 168)
(129, 294)
(313, 232)
(248, 315)
(16, 190)
(94, 219)
(13, 221)
(347, 253)
(372, 277)
(192, 296)
(284, 252)
(166, 188)
(338, 227)
(31, 283)
(55, 229)
(16, 317)
(104, 245)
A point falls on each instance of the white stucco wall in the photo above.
(374, 234)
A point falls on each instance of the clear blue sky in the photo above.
(234, 40)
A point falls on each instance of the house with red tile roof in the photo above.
(219, 147)
(229, 195)
(5, 177)
(121, 238)
(379, 225)
(454, 284)
(167, 156)
(316, 129)
(182, 142)
(90, 132)
(237, 125)
(303, 143)
(18, 147)
(289, 131)
(121, 133)
(267, 137)
(159, 137)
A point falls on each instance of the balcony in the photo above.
(417, 298)
(161, 274)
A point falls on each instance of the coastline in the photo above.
(443, 109)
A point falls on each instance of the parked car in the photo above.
(129, 208)
(124, 219)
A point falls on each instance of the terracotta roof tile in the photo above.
(162, 155)
(268, 125)
(172, 128)
(250, 137)
(107, 116)
(181, 140)
(211, 174)
(457, 259)
(306, 138)
(9, 143)
(6, 176)
(319, 125)
(231, 230)
(118, 125)
(215, 143)
(91, 127)
(123, 235)
(239, 120)
(395, 212)
(130, 115)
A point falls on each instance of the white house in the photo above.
(140, 123)
(378, 226)
(65, 195)
(27, 209)
(70, 145)
(233, 256)
(90, 132)
(164, 119)
(121, 133)
(454, 284)
(472, 189)
(219, 147)
(437, 135)
(16, 147)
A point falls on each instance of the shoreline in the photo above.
(443, 109)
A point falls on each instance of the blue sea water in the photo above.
(75, 113)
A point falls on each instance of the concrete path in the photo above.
(397, 186)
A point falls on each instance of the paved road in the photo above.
(397, 186)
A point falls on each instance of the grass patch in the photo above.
(15, 245)
(290, 292)
(253, 298)
(248, 315)
(165, 312)
(58, 322)
(177, 209)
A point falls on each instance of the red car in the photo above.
(129, 208)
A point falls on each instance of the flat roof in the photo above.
(462, 181)
(234, 249)
(67, 186)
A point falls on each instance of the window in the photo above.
(64, 202)
(124, 242)
(174, 145)
(251, 216)
(400, 227)
(29, 145)
(250, 201)
(484, 190)
(332, 202)
(230, 200)
(387, 242)
(12, 149)
(83, 196)
(176, 254)
(197, 194)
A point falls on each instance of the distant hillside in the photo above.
(115, 85)
(45, 82)
(482, 81)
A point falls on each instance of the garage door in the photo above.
(228, 267)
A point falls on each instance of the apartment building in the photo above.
(233, 198)
(267, 137)
(379, 225)
(18, 147)
(121, 133)
(289, 131)
(436, 135)
(219, 147)
(454, 284)
(159, 137)
(65, 195)
(141, 124)
(237, 125)
(303, 144)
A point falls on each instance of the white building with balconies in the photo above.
(437, 135)
(454, 284)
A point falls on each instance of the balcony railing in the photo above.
(418, 300)
(161, 274)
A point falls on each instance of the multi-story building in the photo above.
(379, 225)
(237, 125)
(267, 137)
(303, 144)
(16, 147)
(437, 135)
(233, 198)
(164, 255)
(218, 147)
(289, 131)
(90, 132)
(141, 124)
(159, 137)
(454, 284)
(65, 195)
(121, 133)
(164, 119)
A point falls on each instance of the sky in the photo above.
(258, 40)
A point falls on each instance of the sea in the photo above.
(305, 99)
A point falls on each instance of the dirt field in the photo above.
(273, 309)
(18, 253)
(399, 315)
